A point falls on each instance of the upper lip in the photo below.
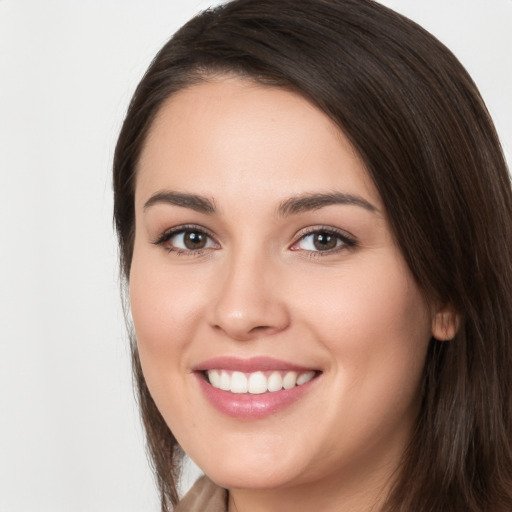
(249, 365)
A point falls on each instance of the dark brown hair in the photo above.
(423, 131)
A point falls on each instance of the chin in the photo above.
(254, 470)
(243, 477)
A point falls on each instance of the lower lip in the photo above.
(248, 406)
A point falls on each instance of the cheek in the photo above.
(375, 323)
(376, 328)
(379, 301)
(165, 307)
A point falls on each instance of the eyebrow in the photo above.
(195, 202)
(291, 206)
(309, 202)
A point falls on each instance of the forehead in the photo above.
(225, 136)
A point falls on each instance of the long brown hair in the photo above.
(423, 131)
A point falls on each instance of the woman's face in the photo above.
(263, 259)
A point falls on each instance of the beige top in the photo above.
(204, 496)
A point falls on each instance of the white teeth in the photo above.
(290, 379)
(238, 383)
(305, 377)
(214, 377)
(257, 382)
(225, 381)
(275, 382)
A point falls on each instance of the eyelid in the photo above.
(348, 240)
(167, 234)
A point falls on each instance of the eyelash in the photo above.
(167, 235)
(347, 240)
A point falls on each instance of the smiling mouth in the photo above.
(259, 382)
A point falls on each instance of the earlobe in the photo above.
(445, 324)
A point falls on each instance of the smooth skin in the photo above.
(324, 287)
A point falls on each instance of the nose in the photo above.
(250, 301)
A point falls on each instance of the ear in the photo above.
(445, 323)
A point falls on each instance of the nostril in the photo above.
(260, 328)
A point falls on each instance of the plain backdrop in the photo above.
(70, 438)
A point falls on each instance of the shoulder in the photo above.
(204, 496)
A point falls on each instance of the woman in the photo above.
(314, 217)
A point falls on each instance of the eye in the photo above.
(323, 240)
(191, 240)
(186, 240)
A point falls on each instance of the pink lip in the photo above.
(248, 365)
(247, 406)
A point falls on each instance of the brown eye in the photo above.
(194, 240)
(183, 240)
(324, 241)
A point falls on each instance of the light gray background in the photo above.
(70, 439)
